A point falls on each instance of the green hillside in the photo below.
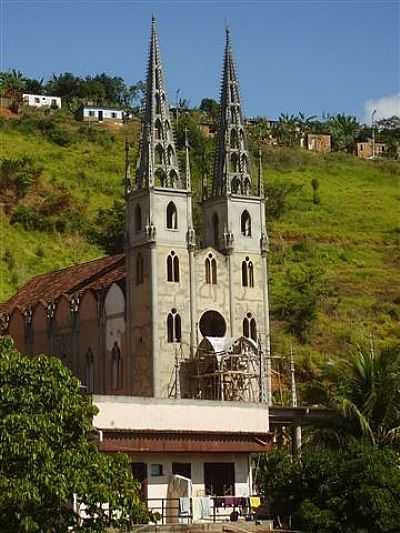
(334, 265)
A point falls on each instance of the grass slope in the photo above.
(352, 238)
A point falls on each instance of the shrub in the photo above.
(277, 196)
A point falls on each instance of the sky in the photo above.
(322, 56)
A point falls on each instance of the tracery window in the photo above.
(172, 216)
(159, 154)
(174, 326)
(211, 269)
(173, 267)
(250, 327)
(247, 273)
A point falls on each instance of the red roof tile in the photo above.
(48, 287)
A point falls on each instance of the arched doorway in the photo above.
(212, 324)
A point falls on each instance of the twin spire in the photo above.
(158, 162)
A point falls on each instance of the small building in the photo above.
(369, 150)
(210, 443)
(318, 142)
(103, 114)
(208, 129)
(41, 100)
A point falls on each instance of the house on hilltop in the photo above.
(40, 100)
(171, 338)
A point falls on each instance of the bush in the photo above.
(354, 490)
(277, 198)
(108, 229)
(18, 176)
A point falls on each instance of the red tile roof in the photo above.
(94, 275)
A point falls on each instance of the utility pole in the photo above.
(296, 429)
(373, 132)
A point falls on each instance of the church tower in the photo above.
(234, 219)
(160, 243)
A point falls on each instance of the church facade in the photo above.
(133, 324)
(172, 337)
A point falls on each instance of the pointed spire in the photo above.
(187, 162)
(232, 163)
(158, 162)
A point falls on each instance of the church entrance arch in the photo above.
(212, 324)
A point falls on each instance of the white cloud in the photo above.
(386, 107)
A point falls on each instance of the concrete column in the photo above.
(193, 307)
(231, 303)
(154, 320)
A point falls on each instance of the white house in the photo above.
(100, 114)
(40, 100)
(211, 443)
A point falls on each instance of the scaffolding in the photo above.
(227, 369)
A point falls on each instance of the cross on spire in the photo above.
(232, 164)
(158, 162)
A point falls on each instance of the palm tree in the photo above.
(288, 131)
(344, 130)
(12, 84)
(366, 400)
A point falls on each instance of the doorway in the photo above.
(100, 116)
(219, 479)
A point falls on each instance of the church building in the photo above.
(172, 337)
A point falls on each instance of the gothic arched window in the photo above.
(245, 224)
(251, 273)
(174, 327)
(247, 273)
(234, 163)
(245, 281)
(211, 270)
(215, 225)
(245, 164)
(176, 268)
(159, 130)
(139, 269)
(160, 178)
(159, 154)
(116, 370)
(138, 218)
(173, 179)
(170, 154)
(173, 267)
(253, 329)
(172, 216)
(250, 327)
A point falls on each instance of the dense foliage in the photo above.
(353, 490)
(47, 454)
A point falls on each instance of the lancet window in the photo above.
(250, 327)
(173, 267)
(245, 224)
(174, 327)
(211, 269)
(247, 273)
(116, 369)
(172, 216)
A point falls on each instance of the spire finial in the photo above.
(232, 162)
(158, 161)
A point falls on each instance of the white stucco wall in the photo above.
(157, 485)
(124, 412)
(39, 100)
(92, 113)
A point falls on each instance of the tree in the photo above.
(353, 490)
(12, 85)
(287, 130)
(46, 453)
(65, 85)
(366, 398)
(109, 228)
(344, 130)
(211, 107)
(315, 188)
